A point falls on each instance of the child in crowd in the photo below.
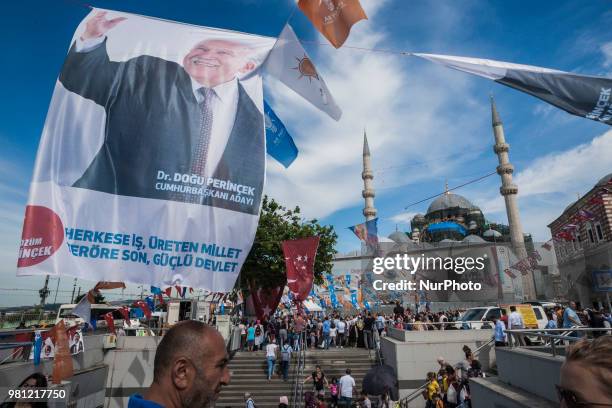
(333, 390)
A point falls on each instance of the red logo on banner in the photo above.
(43, 234)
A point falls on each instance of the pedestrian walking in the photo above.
(346, 389)
(248, 400)
(286, 351)
(271, 350)
(318, 379)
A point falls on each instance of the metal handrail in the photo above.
(414, 394)
(298, 381)
(514, 335)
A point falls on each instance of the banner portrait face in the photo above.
(151, 164)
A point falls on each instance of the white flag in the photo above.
(289, 62)
(83, 308)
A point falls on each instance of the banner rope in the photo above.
(451, 189)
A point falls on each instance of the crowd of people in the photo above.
(448, 386)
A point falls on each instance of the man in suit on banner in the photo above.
(172, 130)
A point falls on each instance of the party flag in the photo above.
(367, 232)
(289, 63)
(279, 143)
(582, 95)
(333, 18)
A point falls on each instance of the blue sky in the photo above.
(426, 124)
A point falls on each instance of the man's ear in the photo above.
(248, 67)
(182, 373)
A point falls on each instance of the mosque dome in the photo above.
(473, 239)
(449, 200)
(419, 218)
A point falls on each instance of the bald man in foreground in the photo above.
(191, 366)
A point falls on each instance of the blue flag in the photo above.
(150, 303)
(279, 143)
(155, 290)
(37, 347)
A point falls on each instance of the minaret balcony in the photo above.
(369, 212)
(501, 147)
(506, 168)
(368, 193)
(367, 174)
(509, 189)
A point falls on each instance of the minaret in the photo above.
(368, 188)
(509, 191)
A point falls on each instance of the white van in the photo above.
(97, 311)
(534, 316)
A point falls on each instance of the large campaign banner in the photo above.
(151, 164)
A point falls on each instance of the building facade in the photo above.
(582, 237)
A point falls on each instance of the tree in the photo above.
(265, 264)
(98, 297)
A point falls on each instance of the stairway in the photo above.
(334, 363)
(249, 375)
(525, 379)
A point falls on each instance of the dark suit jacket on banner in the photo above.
(152, 124)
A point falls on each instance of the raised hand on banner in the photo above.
(98, 25)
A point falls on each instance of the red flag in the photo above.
(179, 290)
(110, 322)
(299, 259)
(190, 290)
(333, 18)
(102, 285)
(265, 300)
(62, 360)
(168, 291)
(125, 312)
(141, 304)
(161, 298)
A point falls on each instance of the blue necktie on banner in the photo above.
(279, 143)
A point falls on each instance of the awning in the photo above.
(446, 226)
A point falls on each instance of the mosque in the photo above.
(453, 225)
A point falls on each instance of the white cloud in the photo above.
(402, 103)
(551, 182)
(403, 217)
(606, 50)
